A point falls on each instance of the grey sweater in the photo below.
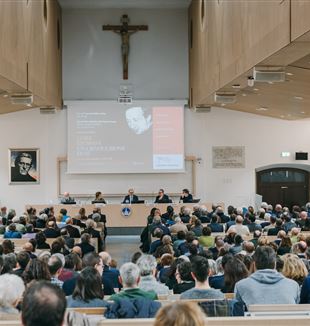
(267, 286)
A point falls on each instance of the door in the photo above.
(285, 186)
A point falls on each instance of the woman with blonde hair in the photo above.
(294, 268)
(180, 313)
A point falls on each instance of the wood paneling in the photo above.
(233, 37)
(13, 42)
(300, 18)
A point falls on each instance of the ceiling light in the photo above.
(282, 116)
(6, 95)
(223, 104)
(303, 112)
(243, 94)
(289, 74)
(255, 89)
(262, 108)
(298, 98)
(271, 83)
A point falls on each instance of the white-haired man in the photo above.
(130, 278)
(239, 228)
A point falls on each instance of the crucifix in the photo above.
(125, 31)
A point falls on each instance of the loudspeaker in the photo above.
(301, 156)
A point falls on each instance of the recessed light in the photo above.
(302, 112)
(282, 116)
(298, 98)
(255, 89)
(28, 104)
(262, 108)
(223, 104)
(289, 74)
(243, 94)
(6, 95)
(271, 83)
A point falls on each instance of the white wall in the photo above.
(157, 70)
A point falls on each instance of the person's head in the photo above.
(249, 247)
(234, 271)
(161, 192)
(92, 259)
(185, 192)
(98, 195)
(85, 238)
(294, 268)
(90, 224)
(66, 194)
(23, 162)
(200, 269)
(12, 227)
(36, 270)
(146, 264)
(181, 235)
(11, 290)
(9, 262)
(180, 313)
(77, 250)
(166, 260)
(184, 271)
(136, 120)
(131, 192)
(43, 304)
(55, 265)
(129, 275)
(22, 259)
(136, 256)
(88, 285)
(239, 219)
(265, 258)
(82, 211)
(106, 258)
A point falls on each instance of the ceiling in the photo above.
(141, 4)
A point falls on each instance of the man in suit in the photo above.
(67, 199)
(162, 198)
(131, 198)
(22, 165)
(186, 197)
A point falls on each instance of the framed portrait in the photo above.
(24, 166)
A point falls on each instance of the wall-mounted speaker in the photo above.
(301, 156)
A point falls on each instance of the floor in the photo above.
(121, 248)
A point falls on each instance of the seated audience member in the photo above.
(11, 291)
(184, 278)
(186, 197)
(131, 198)
(9, 263)
(72, 230)
(66, 199)
(299, 249)
(206, 239)
(158, 234)
(196, 226)
(216, 281)
(147, 266)
(51, 230)
(252, 226)
(234, 271)
(91, 230)
(158, 224)
(165, 266)
(91, 259)
(12, 233)
(178, 226)
(180, 313)
(215, 226)
(165, 247)
(41, 221)
(73, 263)
(294, 235)
(43, 304)
(302, 218)
(130, 278)
(278, 227)
(203, 214)
(36, 270)
(266, 285)
(7, 246)
(85, 245)
(168, 217)
(64, 215)
(29, 233)
(220, 212)
(186, 216)
(80, 219)
(88, 290)
(20, 223)
(202, 290)
(180, 239)
(285, 246)
(239, 228)
(288, 225)
(110, 275)
(237, 246)
(55, 268)
(294, 268)
(22, 260)
(99, 197)
(162, 198)
(183, 248)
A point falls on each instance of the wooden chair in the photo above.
(89, 311)
(278, 309)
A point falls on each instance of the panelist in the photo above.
(66, 199)
(186, 197)
(162, 198)
(99, 198)
(131, 198)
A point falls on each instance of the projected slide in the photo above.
(108, 137)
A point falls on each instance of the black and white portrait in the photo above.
(138, 120)
(24, 166)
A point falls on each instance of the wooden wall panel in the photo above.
(300, 18)
(13, 41)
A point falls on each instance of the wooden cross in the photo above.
(125, 30)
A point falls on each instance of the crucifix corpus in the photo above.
(125, 30)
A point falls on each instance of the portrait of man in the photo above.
(137, 121)
(24, 165)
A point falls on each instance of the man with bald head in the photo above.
(239, 228)
(66, 199)
(110, 276)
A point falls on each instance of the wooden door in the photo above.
(285, 186)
